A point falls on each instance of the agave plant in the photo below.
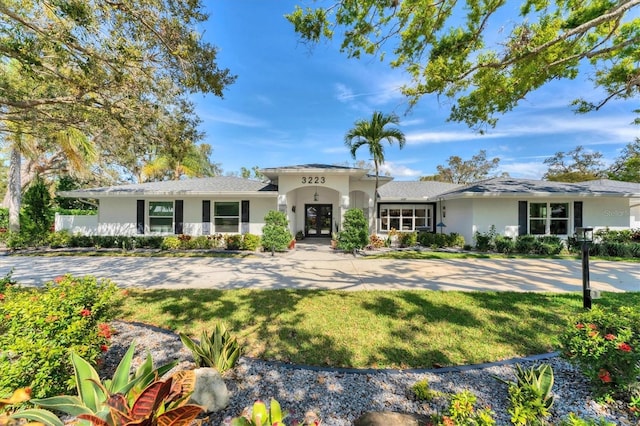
(219, 349)
(530, 395)
(93, 395)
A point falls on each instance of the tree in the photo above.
(38, 213)
(463, 172)
(275, 232)
(355, 231)
(253, 173)
(371, 133)
(627, 166)
(487, 66)
(92, 66)
(577, 165)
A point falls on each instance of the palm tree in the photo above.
(372, 133)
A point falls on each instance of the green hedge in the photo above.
(440, 240)
(63, 239)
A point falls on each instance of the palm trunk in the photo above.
(375, 200)
(14, 188)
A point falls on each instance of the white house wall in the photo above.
(466, 216)
(458, 218)
(117, 216)
(501, 213)
(613, 213)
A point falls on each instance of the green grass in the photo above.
(381, 329)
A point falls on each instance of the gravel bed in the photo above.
(339, 397)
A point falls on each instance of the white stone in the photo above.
(210, 392)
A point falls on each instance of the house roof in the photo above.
(414, 191)
(354, 173)
(221, 185)
(501, 187)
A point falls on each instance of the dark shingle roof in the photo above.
(213, 185)
(513, 186)
(413, 191)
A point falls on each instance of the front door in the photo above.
(317, 220)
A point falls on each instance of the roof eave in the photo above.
(131, 194)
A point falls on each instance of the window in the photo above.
(161, 216)
(549, 218)
(226, 216)
(404, 217)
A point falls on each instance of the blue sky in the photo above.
(292, 104)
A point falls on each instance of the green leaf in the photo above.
(121, 375)
(37, 415)
(67, 404)
(85, 376)
(259, 415)
(276, 411)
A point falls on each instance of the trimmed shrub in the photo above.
(485, 241)
(407, 239)
(429, 239)
(504, 244)
(59, 239)
(41, 327)
(355, 232)
(250, 242)
(171, 243)
(275, 233)
(233, 241)
(550, 245)
(525, 244)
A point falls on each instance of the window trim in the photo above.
(548, 218)
(215, 217)
(150, 217)
(429, 209)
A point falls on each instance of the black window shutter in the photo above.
(522, 218)
(577, 214)
(206, 211)
(140, 216)
(206, 217)
(245, 211)
(179, 217)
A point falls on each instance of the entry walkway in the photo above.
(315, 266)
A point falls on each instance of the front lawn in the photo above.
(382, 329)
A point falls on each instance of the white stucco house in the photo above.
(316, 196)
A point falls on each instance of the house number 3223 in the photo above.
(313, 179)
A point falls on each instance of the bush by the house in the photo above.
(605, 345)
(275, 233)
(505, 244)
(407, 239)
(233, 241)
(427, 239)
(375, 241)
(250, 242)
(41, 327)
(355, 231)
(485, 241)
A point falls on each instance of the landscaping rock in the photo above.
(210, 391)
(389, 418)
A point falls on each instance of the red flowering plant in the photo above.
(42, 326)
(605, 344)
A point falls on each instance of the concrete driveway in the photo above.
(310, 266)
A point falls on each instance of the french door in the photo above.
(318, 220)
